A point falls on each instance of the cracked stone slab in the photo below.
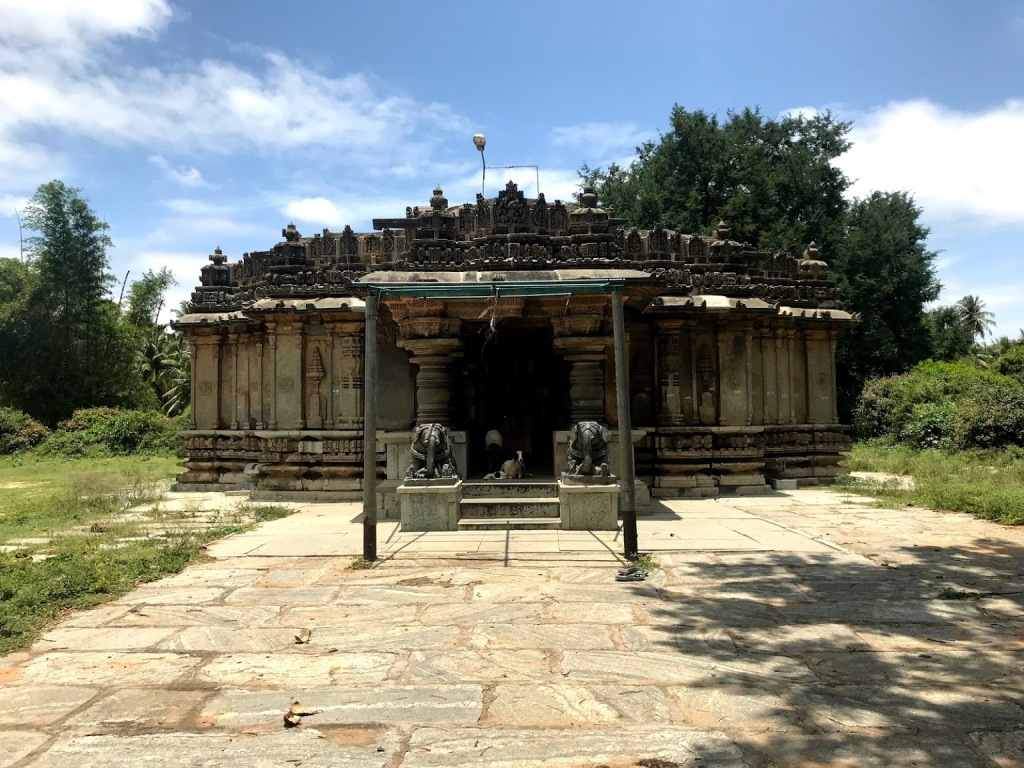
(735, 707)
(230, 639)
(370, 637)
(307, 747)
(139, 708)
(346, 615)
(678, 669)
(557, 748)
(158, 594)
(1004, 748)
(16, 745)
(484, 666)
(297, 670)
(412, 704)
(38, 705)
(574, 636)
(471, 614)
(281, 596)
(197, 615)
(568, 706)
(104, 638)
(104, 669)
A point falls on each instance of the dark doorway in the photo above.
(512, 382)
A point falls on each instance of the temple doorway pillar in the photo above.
(585, 355)
(433, 358)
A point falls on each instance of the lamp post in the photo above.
(480, 142)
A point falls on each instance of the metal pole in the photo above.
(626, 469)
(483, 175)
(370, 430)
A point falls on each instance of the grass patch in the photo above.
(986, 484)
(644, 560)
(91, 545)
(359, 564)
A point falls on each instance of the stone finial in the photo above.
(811, 252)
(588, 199)
(218, 257)
(722, 230)
(291, 233)
(439, 202)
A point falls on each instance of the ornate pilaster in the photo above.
(669, 353)
(260, 394)
(345, 404)
(272, 341)
(585, 355)
(432, 358)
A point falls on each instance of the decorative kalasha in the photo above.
(432, 454)
(588, 451)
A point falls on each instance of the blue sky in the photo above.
(193, 124)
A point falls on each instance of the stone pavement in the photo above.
(806, 628)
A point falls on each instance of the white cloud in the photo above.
(10, 251)
(316, 210)
(186, 176)
(958, 165)
(598, 140)
(64, 28)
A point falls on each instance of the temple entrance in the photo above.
(513, 383)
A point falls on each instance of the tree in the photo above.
(63, 342)
(772, 181)
(146, 297)
(979, 321)
(951, 338)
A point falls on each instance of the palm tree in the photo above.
(975, 317)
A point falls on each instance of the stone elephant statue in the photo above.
(588, 451)
(432, 453)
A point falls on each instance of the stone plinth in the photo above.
(430, 505)
(643, 493)
(588, 506)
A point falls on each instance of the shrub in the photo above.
(1011, 363)
(943, 405)
(19, 431)
(97, 431)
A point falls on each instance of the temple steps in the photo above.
(522, 489)
(509, 507)
(510, 523)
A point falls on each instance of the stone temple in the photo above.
(731, 352)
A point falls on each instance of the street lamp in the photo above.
(480, 142)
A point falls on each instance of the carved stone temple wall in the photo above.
(731, 350)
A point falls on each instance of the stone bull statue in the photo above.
(588, 451)
(432, 455)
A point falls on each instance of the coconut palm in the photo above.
(978, 320)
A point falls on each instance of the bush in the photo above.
(19, 431)
(1011, 363)
(98, 431)
(953, 406)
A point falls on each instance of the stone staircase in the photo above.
(489, 505)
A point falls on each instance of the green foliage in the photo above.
(111, 431)
(979, 321)
(951, 338)
(987, 484)
(146, 297)
(772, 181)
(883, 271)
(19, 431)
(954, 406)
(63, 341)
(1011, 363)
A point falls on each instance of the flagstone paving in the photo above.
(806, 628)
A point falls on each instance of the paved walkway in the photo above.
(802, 629)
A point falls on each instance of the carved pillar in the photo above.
(272, 340)
(749, 374)
(669, 356)
(192, 388)
(789, 369)
(261, 412)
(782, 383)
(724, 363)
(432, 358)
(331, 384)
(585, 354)
(235, 384)
(832, 368)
